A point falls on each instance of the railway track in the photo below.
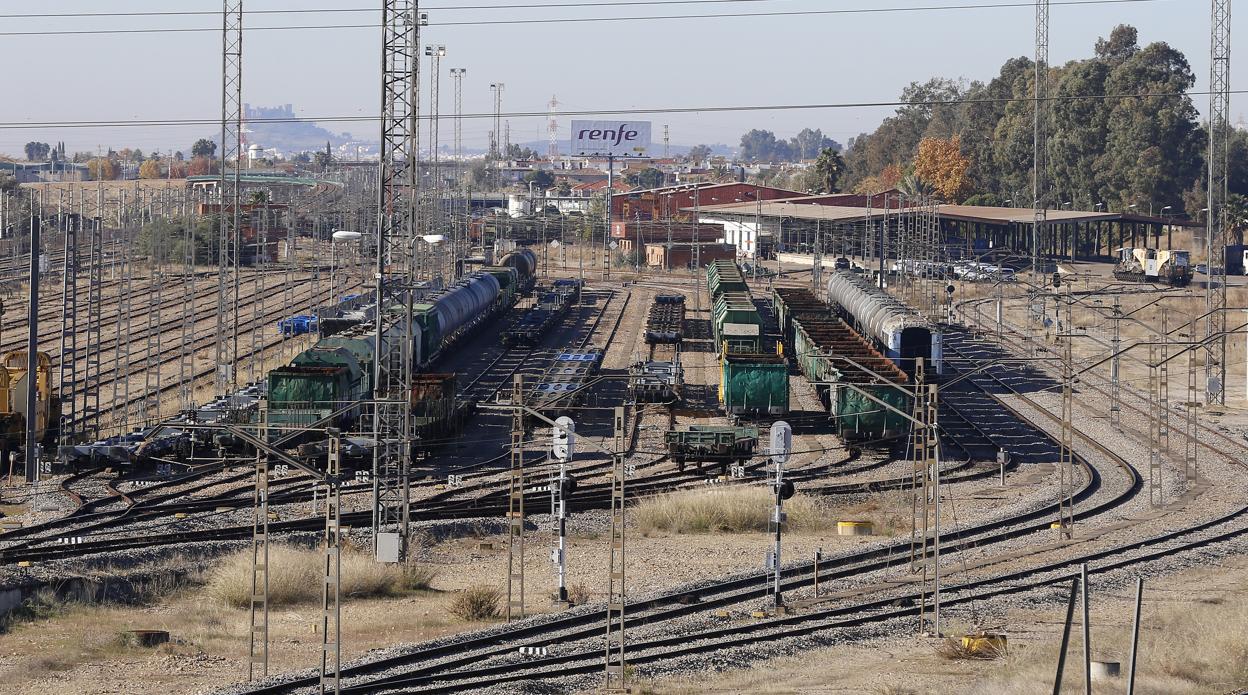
(448, 675)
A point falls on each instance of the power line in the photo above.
(611, 112)
(358, 10)
(582, 20)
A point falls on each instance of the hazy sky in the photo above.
(685, 63)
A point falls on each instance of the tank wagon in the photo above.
(753, 379)
(850, 375)
(898, 330)
(524, 262)
(338, 370)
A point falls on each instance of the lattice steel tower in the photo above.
(1219, 124)
(230, 194)
(552, 131)
(457, 75)
(395, 247)
(1039, 178)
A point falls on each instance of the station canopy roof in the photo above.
(797, 210)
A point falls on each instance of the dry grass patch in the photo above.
(1186, 648)
(477, 603)
(729, 510)
(295, 577)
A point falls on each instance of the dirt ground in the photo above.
(75, 648)
(1180, 651)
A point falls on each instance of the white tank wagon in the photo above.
(902, 334)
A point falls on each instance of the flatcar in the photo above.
(711, 444)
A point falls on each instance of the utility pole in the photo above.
(259, 632)
(331, 596)
(1040, 135)
(616, 675)
(32, 342)
(1216, 239)
(552, 131)
(496, 134)
(1066, 467)
(515, 506)
(435, 54)
(606, 234)
(229, 207)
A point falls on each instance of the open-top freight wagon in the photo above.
(753, 379)
(853, 379)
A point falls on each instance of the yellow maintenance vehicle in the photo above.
(1172, 267)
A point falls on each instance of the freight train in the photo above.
(852, 378)
(901, 334)
(752, 380)
(338, 370)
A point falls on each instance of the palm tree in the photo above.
(828, 167)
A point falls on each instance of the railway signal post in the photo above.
(564, 441)
(781, 445)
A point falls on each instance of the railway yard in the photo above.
(159, 543)
(371, 402)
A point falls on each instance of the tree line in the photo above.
(1122, 134)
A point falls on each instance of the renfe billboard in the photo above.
(619, 138)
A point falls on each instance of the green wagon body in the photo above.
(723, 276)
(754, 384)
(711, 443)
(833, 356)
(859, 418)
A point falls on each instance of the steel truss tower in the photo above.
(229, 208)
(1039, 176)
(1219, 124)
(396, 235)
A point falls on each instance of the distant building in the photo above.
(668, 201)
(678, 256)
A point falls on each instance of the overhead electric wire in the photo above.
(340, 10)
(581, 20)
(608, 112)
